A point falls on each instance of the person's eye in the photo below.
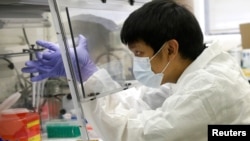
(138, 53)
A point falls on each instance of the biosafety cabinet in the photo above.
(100, 22)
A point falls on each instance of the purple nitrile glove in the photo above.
(49, 63)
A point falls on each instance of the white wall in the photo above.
(228, 41)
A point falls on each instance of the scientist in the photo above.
(193, 85)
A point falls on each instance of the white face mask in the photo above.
(144, 74)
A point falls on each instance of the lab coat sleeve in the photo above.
(123, 116)
(126, 103)
(101, 82)
(155, 97)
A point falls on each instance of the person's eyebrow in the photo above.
(131, 47)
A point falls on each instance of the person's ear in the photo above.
(173, 48)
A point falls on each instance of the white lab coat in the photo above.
(212, 90)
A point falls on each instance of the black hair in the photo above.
(161, 20)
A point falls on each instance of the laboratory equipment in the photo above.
(100, 23)
(62, 129)
(23, 14)
(19, 124)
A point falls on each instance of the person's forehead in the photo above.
(137, 44)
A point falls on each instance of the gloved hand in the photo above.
(49, 63)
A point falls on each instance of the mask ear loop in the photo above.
(157, 51)
(165, 67)
(156, 54)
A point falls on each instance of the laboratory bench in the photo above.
(45, 138)
(68, 139)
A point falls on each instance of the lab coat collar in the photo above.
(203, 59)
